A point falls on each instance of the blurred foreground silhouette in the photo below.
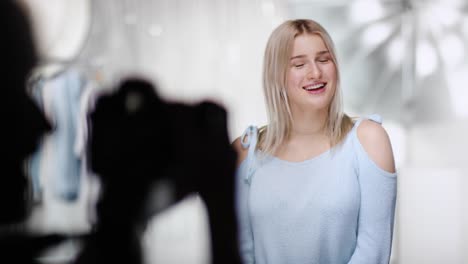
(138, 144)
(23, 125)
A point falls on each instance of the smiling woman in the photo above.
(318, 187)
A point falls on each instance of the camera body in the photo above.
(138, 140)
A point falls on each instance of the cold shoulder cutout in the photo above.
(373, 140)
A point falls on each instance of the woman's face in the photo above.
(311, 76)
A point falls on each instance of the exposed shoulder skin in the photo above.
(241, 152)
(376, 143)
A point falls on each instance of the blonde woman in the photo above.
(314, 186)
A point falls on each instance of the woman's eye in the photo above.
(323, 60)
(298, 65)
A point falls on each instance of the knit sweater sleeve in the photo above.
(245, 236)
(377, 210)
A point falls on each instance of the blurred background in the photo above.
(403, 59)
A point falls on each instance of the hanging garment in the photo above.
(59, 161)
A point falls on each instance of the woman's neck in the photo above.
(309, 123)
(308, 137)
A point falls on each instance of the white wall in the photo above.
(432, 197)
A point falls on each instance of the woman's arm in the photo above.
(377, 180)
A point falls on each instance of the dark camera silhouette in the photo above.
(138, 141)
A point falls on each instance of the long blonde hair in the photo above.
(275, 67)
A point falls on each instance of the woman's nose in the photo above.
(314, 72)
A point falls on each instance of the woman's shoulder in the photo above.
(247, 143)
(372, 134)
(375, 141)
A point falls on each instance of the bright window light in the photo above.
(376, 34)
(458, 92)
(363, 11)
(396, 52)
(446, 14)
(437, 18)
(426, 59)
(452, 50)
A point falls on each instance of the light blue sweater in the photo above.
(335, 208)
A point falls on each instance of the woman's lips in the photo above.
(315, 88)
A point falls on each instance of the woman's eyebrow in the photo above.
(303, 56)
(298, 57)
(323, 52)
